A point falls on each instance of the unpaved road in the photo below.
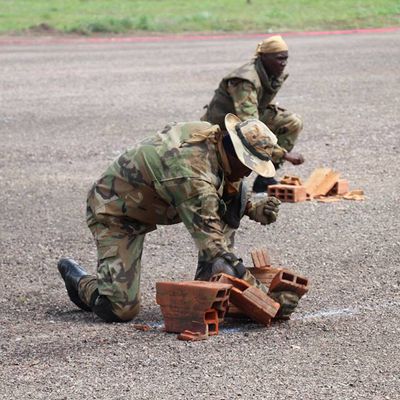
(67, 109)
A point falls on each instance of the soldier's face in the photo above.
(275, 63)
(238, 170)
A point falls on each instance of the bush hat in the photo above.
(253, 143)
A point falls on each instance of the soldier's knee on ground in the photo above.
(114, 312)
(289, 124)
(296, 124)
(288, 129)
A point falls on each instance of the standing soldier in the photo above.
(249, 91)
(188, 172)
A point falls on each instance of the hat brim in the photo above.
(261, 167)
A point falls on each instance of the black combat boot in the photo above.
(261, 184)
(72, 273)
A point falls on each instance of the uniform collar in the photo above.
(222, 157)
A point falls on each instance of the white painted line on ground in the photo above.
(326, 314)
(322, 314)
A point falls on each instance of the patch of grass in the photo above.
(105, 25)
(122, 16)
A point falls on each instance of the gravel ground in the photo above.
(68, 109)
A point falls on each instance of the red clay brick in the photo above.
(178, 320)
(321, 181)
(288, 280)
(265, 275)
(189, 305)
(250, 300)
(255, 304)
(288, 193)
(194, 294)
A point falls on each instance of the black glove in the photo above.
(227, 263)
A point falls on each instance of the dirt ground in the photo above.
(68, 109)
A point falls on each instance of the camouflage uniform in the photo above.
(166, 179)
(248, 93)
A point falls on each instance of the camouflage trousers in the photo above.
(284, 124)
(119, 252)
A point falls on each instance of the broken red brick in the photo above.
(265, 275)
(263, 271)
(260, 258)
(250, 300)
(288, 193)
(212, 321)
(229, 279)
(142, 327)
(288, 280)
(341, 187)
(194, 305)
(192, 336)
(256, 304)
(291, 180)
(321, 181)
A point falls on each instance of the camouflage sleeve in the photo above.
(199, 211)
(244, 98)
(277, 154)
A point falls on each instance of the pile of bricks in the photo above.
(323, 182)
(274, 278)
(195, 309)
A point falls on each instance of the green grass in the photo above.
(179, 16)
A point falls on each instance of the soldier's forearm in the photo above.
(278, 154)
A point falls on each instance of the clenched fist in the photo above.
(265, 211)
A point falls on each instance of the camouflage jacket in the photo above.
(166, 179)
(246, 92)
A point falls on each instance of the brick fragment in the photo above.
(142, 327)
(262, 269)
(260, 258)
(321, 181)
(291, 180)
(192, 336)
(288, 193)
(288, 280)
(341, 187)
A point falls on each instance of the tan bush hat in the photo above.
(253, 143)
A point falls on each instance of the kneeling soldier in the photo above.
(188, 172)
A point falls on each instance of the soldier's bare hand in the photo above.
(294, 158)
